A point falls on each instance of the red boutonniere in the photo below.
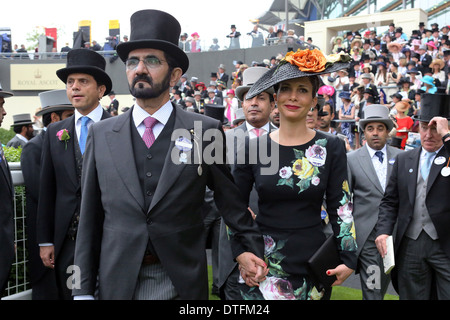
(63, 135)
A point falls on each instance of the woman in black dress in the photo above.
(308, 166)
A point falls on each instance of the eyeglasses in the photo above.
(149, 62)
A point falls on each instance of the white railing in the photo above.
(18, 287)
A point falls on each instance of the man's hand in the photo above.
(253, 269)
(380, 242)
(47, 254)
(441, 125)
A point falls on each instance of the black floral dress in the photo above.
(291, 189)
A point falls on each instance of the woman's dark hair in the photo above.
(315, 82)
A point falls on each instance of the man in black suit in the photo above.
(417, 204)
(143, 238)
(222, 75)
(6, 208)
(55, 107)
(62, 157)
(424, 60)
(114, 104)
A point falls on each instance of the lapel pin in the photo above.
(410, 170)
(391, 161)
(446, 170)
(439, 160)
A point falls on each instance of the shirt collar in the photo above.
(95, 115)
(21, 137)
(372, 151)
(266, 127)
(162, 114)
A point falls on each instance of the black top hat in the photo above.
(396, 142)
(216, 111)
(86, 61)
(433, 105)
(157, 30)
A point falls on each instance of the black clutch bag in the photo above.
(326, 257)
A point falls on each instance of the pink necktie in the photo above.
(148, 136)
(257, 131)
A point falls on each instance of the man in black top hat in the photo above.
(416, 201)
(144, 239)
(114, 104)
(55, 106)
(234, 38)
(62, 158)
(6, 207)
(23, 127)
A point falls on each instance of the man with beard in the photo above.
(144, 238)
(326, 118)
(23, 127)
(275, 117)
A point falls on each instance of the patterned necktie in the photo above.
(380, 155)
(426, 165)
(83, 133)
(148, 136)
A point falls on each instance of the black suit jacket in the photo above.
(115, 227)
(60, 191)
(397, 205)
(6, 222)
(31, 168)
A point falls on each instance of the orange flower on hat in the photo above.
(307, 60)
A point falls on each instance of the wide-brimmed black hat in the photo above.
(433, 105)
(86, 61)
(286, 71)
(156, 30)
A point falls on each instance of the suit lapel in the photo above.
(436, 169)
(171, 171)
(368, 169)
(122, 155)
(412, 165)
(68, 154)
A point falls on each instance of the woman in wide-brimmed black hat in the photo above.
(305, 166)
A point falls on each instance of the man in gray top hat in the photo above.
(23, 127)
(369, 168)
(55, 106)
(6, 207)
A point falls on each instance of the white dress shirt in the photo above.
(380, 168)
(162, 115)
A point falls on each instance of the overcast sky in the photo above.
(209, 18)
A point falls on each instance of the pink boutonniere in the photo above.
(63, 135)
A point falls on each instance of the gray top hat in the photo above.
(22, 119)
(239, 116)
(250, 76)
(376, 113)
(54, 100)
(5, 94)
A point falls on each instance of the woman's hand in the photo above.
(342, 272)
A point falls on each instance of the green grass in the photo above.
(338, 293)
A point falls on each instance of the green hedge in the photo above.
(6, 135)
